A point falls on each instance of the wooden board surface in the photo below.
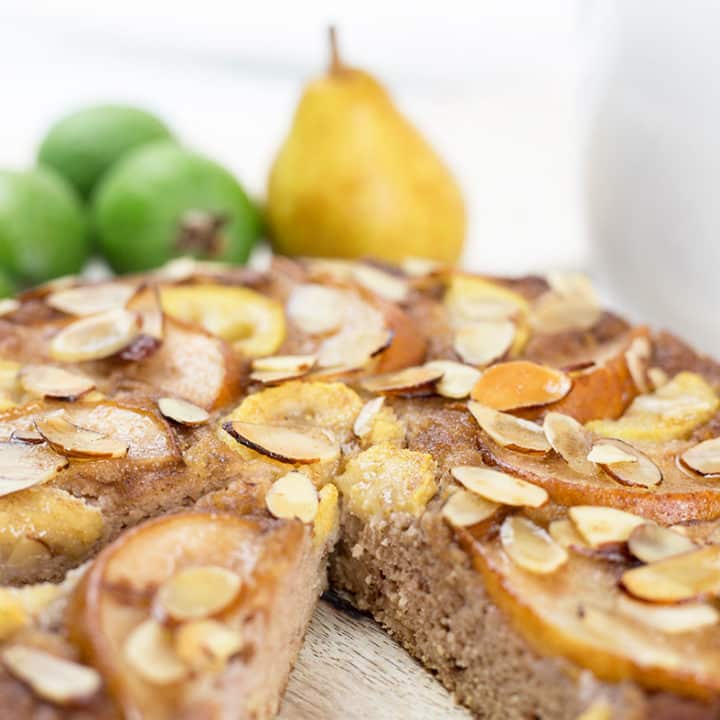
(350, 669)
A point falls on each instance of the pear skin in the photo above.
(354, 178)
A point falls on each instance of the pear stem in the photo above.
(336, 64)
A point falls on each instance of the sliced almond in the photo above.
(316, 309)
(355, 345)
(673, 619)
(196, 593)
(381, 283)
(457, 378)
(23, 465)
(276, 377)
(91, 299)
(703, 457)
(419, 267)
(465, 508)
(56, 679)
(639, 471)
(605, 453)
(651, 542)
(30, 437)
(602, 526)
(510, 431)
(281, 443)
(366, 417)
(569, 439)
(8, 305)
(54, 382)
(182, 411)
(95, 337)
(293, 496)
(410, 380)
(564, 533)
(520, 384)
(150, 652)
(658, 377)
(73, 441)
(499, 486)
(484, 341)
(689, 576)
(530, 547)
(207, 645)
(637, 358)
(284, 363)
(570, 304)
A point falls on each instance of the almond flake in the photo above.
(637, 357)
(601, 526)
(689, 576)
(23, 465)
(381, 283)
(465, 508)
(53, 678)
(150, 652)
(95, 337)
(672, 619)
(520, 384)
(316, 309)
(281, 443)
(564, 533)
(499, 486)
(569, 439)
(293, 496)
(651, 542)
(30, 437)
(196, 593)
(91, 299)
(605, 453)
(703, 457)
(484, 341)
(510, 431)
(570, 304)
(73, 441)
(276, 377)
(410, 380)
(457, 380)
(658, 377)
(54, 382)
(418, 267)
(640, 471)
(530, 547)
(287, 363)
(366, 417)
(182, 411)
(8, 305)
(207, 645)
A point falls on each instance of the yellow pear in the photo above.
(354, 178)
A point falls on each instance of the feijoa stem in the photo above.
(336, 64)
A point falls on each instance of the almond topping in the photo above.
(281, 443)
(600, 526)
(639, 470)
(30, 437)
(207, 645)
(8, 305)
(569, 439)
(316, 309)
(520, 384)
(197, 592)
(658, 377)
(286, 363)
(510, 431)
(672, 619)
(564, 533)
(704, 457)
(23, 465)
(418, 267)
(651, 542)
(293, 496)
(457, 380)
(95, 337)
(678, 578)
(91, 299)
(637, 357)
(73, 441)
(530, 547)
(465, 508)
(53, 678)
(484, 341)
(54, 382)
(499, 486)
(570, 304)
(182, 411)
(409, 380)
(366, 417)
(150, 652)
(382, 283)
(605, 453)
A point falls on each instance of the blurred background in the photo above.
(581, 133)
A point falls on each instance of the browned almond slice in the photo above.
(54, 382)
(651, 542)
(409, 380)
(569, 439)
(366, 417)
(281, 443)
(520, 384)
(284, 363)
(293, 496)
(678, 578)
(600, 526)
(457, 380)
(207, 645)
(73, 441)
(530, 547)
(499, 486)
(23, 465)
(564, 533)
(150, 651)
(8, 305)
(91, 299)
(53, 678)
(703, 457)
(672, 619)
(182, 411)
(95, 337)
(640, 471)
(316, 309)
(196, 593)
(30, 437)
(276, 377)
(637, 357)
(465, 508)
(381, 283)
(510, 431)
(484, 341)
